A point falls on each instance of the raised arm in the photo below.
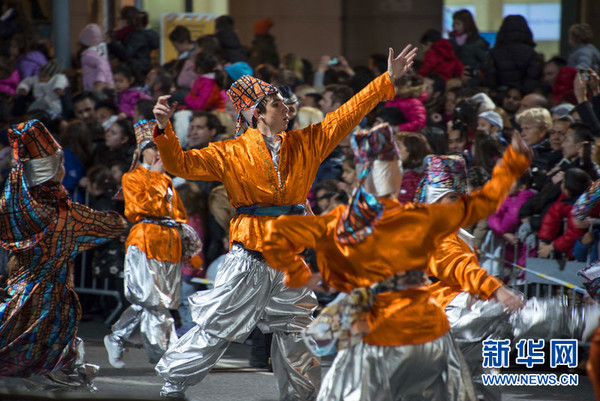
(340, 122)
(447, 218)
(204, 164)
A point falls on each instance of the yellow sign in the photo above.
(198, 24)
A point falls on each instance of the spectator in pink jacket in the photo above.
(410, 95)
(9, 84)
(505, 221)
(126, 96)
(206, 91)
(95, 68)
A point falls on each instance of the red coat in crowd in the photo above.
(552, 226)
(441, 60)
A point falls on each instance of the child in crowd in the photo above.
(413, 148)
(439, 57)
(106, 113)
(505, 221)
(118, 144)
(490, 121)
(47, 88)
(409, 99)
(95, 68)
(206, 91)
(127, 96)
(28, 60)
(552, 238)
(9, 80)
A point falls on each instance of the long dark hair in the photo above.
(514, 29)
(488, 149)
(468, 22)
(78, 137)
(417, 147)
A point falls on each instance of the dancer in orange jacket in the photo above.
(267, 172)
(153, 253)
(378, 250)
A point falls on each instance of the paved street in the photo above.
(233, 379)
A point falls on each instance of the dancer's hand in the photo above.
(509, 298)
(157, 165)
(317, 284)
(520, 146)
(400, 65)
(163, 112)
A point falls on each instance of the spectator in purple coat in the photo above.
(28, 60)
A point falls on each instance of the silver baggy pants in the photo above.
(247, 294)
(152, 286)
(432, 371)
(473, 321)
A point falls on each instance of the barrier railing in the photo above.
(85, 288)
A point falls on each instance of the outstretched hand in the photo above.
(520, 146)
(400, 65)
(163, 112)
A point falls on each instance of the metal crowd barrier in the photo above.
(94, 289)
(543, 277)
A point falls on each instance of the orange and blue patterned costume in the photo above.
(44, 231)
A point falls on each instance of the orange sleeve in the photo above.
(179, 213)
(458, 268)
(447, 218)
(205, 164)
(287, 236)
(144, 193)
(340, 122)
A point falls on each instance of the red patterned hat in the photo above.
(245, 94)
(31, 140)
(35, 147)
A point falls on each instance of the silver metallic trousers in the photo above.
(433, 371)
(473, 321)
(247, 294)
(152, 286)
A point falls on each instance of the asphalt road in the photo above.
(233, 379)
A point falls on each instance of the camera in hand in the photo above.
(585, 74)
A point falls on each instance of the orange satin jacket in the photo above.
(403, 239)
(458, 270)
(245, 167)
(145, 195)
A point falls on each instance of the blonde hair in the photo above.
(308, 115)
(537, 116)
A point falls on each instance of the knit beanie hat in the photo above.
(238, 70)
(262, 27)
(51, 68)
(493, 118)
(91, 35)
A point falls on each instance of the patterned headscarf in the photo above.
(144, 135)
(443, 174)
(245, 94)
(364, 209)
(144, 130)
(29, 204)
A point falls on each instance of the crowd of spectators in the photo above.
(462, 98)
